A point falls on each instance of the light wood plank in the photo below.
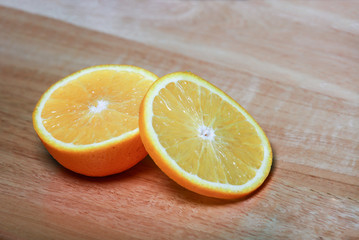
(313, 189)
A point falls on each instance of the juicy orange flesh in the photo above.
(95, 107)
(205, 134)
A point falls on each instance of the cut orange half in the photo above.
(202, 139)
(88, 121)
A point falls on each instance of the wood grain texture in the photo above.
(293, 65)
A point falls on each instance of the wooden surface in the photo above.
(294, 65)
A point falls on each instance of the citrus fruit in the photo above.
(88, 121)
(202, 139)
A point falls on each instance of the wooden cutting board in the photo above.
(293, 65)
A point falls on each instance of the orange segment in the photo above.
(202, 138)
(96, 107)
(92, 110)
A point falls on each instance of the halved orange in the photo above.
(88, 121)
(202, 139)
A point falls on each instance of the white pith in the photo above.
(206, 133)
(101, 105)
